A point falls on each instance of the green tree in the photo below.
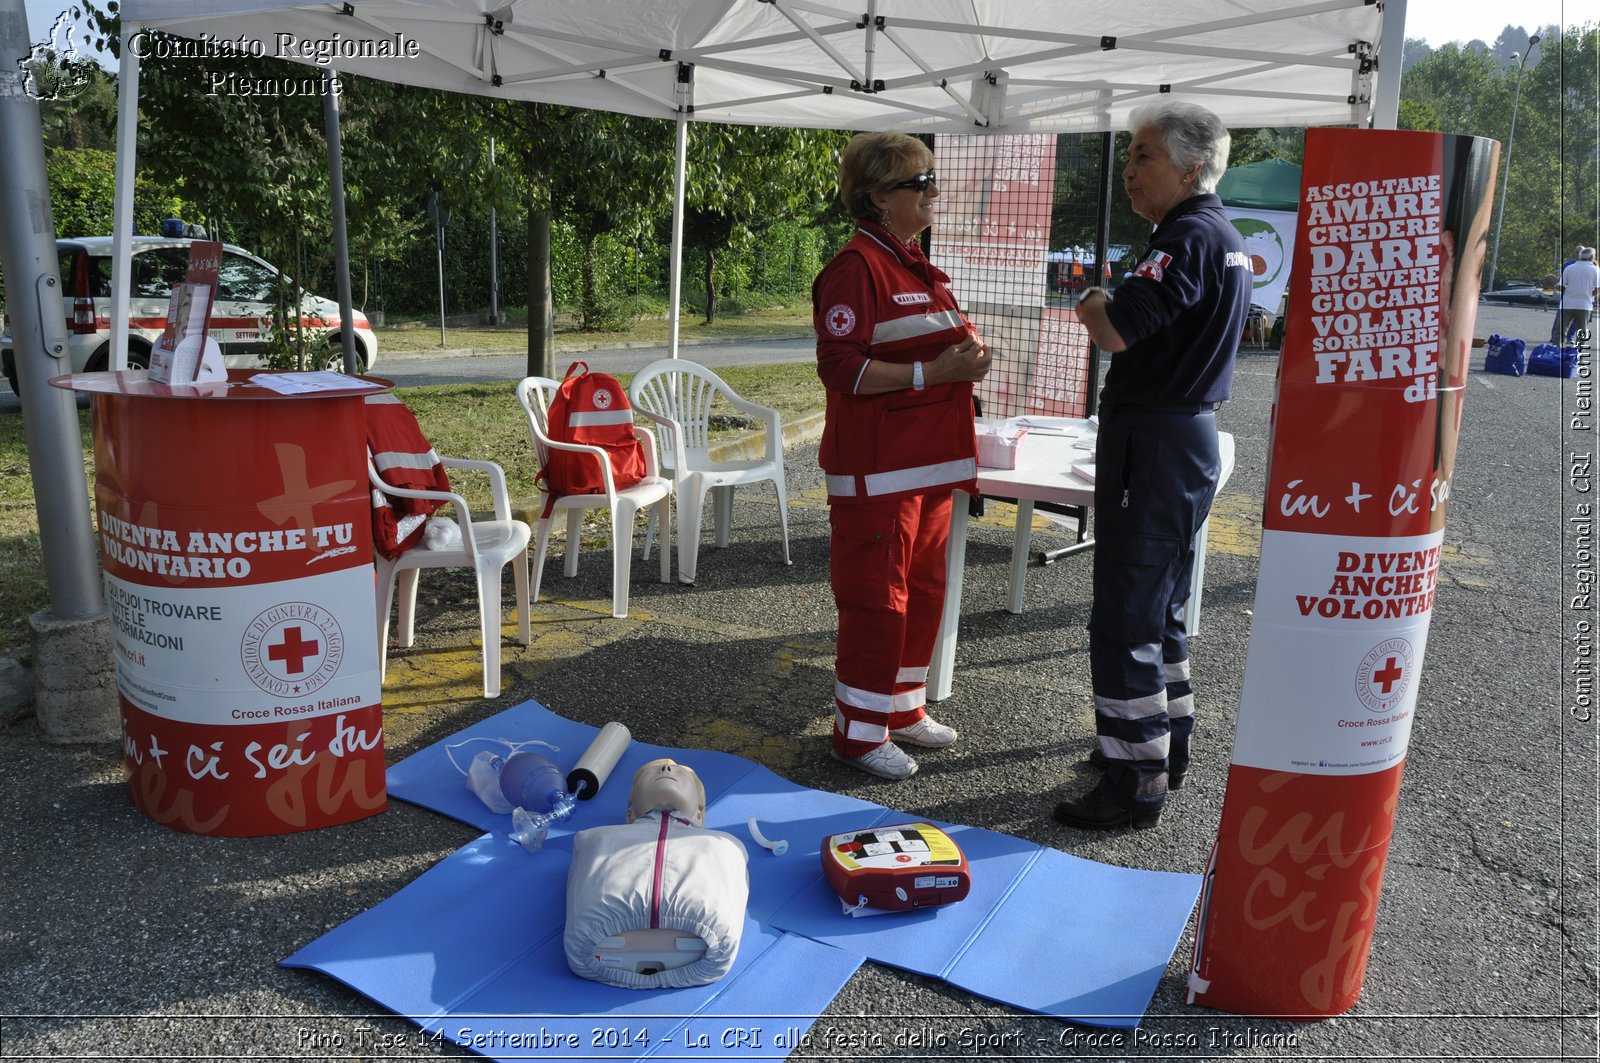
(743, 179)
(609, 181)
(1549, 201)
(83, 190)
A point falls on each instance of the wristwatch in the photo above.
(917, 383)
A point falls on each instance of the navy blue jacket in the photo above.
(1183, 311)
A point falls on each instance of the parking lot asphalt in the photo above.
(125, 939)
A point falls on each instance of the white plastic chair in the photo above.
(535, 393)
(679, 396)
(486, 547)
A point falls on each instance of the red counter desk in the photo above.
(235, 534)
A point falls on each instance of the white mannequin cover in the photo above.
(705, 886)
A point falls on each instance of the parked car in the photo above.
(1514, 292)
(239, 317)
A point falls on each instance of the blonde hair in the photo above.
(871, 163)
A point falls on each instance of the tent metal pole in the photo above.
(122, 207)
(494, 253)
(28, 255)
(341, 239)
(1391, 50)
(679, 172)
(1102, 245)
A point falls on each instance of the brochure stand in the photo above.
(234, 528)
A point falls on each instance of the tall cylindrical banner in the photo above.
(235, 533)
(1383, 296)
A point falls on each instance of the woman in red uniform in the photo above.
(898, 361)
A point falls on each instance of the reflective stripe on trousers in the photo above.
(1156, 474)
(887, 567)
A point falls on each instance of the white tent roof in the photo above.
(958, 66)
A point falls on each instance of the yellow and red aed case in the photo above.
(907, 865)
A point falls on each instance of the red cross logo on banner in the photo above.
(1388, 675)
(1384, 675)
(293, 650)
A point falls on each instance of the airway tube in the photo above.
(594, 767)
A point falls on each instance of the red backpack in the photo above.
(591, 409)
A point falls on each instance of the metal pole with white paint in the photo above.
(685, 94)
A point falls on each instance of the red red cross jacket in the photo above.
(404, 458)
(881, 299)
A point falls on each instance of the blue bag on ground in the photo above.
(1549, 360)
(1505, 355)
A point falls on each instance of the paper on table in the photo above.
(1051, 426)
(301, 383)
(1084, 470)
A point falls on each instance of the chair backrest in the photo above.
(534, 393)
(684, 391)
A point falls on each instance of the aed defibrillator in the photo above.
(895, 868)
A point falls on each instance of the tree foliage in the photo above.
(83, 190)
(1548, 170)
(743, 179)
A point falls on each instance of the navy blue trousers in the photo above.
(1155, 476)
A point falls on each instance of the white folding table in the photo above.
(1043, 474)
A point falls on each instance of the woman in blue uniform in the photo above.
(1173, 330)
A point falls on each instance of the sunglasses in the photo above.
(919, 182)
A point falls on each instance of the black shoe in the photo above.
(1093, 811)
(1098, 761)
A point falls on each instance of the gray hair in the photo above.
(1586, 255)
(1191, 134)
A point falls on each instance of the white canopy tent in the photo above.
(921, 66)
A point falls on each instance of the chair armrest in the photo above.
(497, 481)
(597, 453)
(673, 433)
(462, 510)
(767, 414)
(652, 463)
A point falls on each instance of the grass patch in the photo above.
(479, 420)
(23, 589)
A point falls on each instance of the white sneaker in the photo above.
(887, 761)
(927, 733)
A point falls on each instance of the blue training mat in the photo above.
(471, 951)
(1040, 930)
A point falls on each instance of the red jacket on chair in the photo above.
(404, 458)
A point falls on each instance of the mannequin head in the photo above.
(667, 784)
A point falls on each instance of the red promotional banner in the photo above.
(1383, 298)
(236, 541)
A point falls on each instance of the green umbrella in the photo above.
(1272, 184)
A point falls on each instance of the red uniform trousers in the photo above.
(887, 566)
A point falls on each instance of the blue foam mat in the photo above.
(1040, 930)
(471, 950)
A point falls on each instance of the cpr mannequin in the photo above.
(659, 901)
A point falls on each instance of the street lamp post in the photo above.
(1516, 98)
